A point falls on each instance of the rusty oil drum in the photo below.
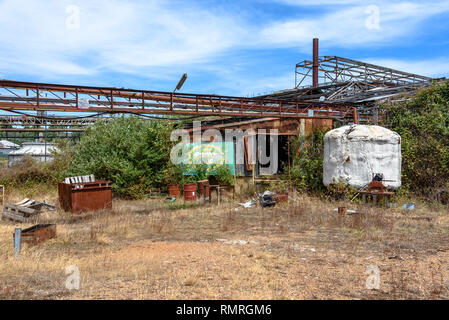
(174, 190)
(204, 189)
(190, 192)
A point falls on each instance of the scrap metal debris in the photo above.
(348, 211)
(266, 199)
(248, 204)
(38, 233)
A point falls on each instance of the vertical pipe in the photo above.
(76, 97)
(17, 241)
(315, 63)
(355, 115)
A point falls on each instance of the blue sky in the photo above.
(239, 48)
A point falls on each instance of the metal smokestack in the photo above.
(315, 63)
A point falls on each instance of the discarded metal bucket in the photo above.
(190, 192)
(174, 190)
(38, 233)
(85, 196)
(204, 189)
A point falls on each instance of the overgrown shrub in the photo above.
(307, 167)
(132, 153)
(224, 176)
(423, 124)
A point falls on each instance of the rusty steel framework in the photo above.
(333, 69)
(31, 120)
(340, 80)
(16, 95)
(346, 81)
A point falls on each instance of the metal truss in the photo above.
(333, 69)
(16, 95)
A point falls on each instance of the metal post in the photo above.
(17, 241)
(355, 115)
(76, 97)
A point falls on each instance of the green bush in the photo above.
(132, 153)
(423, 124)
(224, 175)
(307, 167)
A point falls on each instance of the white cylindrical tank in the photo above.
(353, 154)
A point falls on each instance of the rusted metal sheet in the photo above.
(86, 196)
(248, 154)
(204, 189)
(280, 197)
(38, 233)
(322, 124)
(342, 211)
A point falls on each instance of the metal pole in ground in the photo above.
(17, 241)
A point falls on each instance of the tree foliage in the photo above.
(423, 124)
(132, 153)
(307, 167)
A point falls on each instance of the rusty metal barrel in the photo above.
(190, 192)
(204, 189)
(174, 190)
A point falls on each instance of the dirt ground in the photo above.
(151, 249)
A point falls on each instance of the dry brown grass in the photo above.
(152, 250)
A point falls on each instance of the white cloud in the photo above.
(113, 35)
(435, 68)
(157, 39)
(255, 86)
(347, 26)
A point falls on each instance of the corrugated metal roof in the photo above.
(8, 144)
(34, 148)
